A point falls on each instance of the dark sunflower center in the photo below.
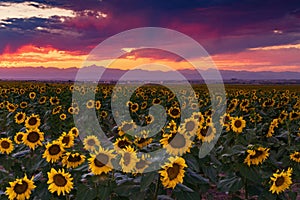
(127, 158)
(91, 142)
(134, 107)
(54, 149)
(5, 144)
(297, 156)
(33, 137)
(175, 112)
(190, 126)
(173, 171)
(142, 140)
(20, 116)
(101, 160)
(205, 131)
(156, 101)
(238, 123)
(122, 144)
(59, 180)
(257, 154)
(90, 104)
(32, 121)
(127, 127)
(21, 188)
(178, 141)
(75, 158)
(20, 138)
(74, 131)
(279, 181)
(294, 115)
(66, 140)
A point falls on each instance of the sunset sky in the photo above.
(252, 35)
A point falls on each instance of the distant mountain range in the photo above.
(56, 74)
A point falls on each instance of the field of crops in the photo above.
(44, 154)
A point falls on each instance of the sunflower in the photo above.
(174, 112)
(74, 131)
(156, 101)
(134, 107)
(97, 105)
(199, 117)
(54, 100)
(256, 156)
(90, 104)
(103, 114)
(172, 172)
(6, 145)
(72, 160)
(54, 151)
(172, 126)
(23, 104)
(19, 137)
(42, 100)
(190, 126)
(71, 110)
(33, 121)
(237, 124)
(33, 138)
(273, 124)
(32, 95)
(142, 141)
(295, 156)
(128, 159)
(294, 115)
(126, 126)
(91, 142)
(56, 110)
(100, 162)
(281, 181)
(20, 189)
(59, 181)
(67, 139)
(20, 117)
(141, 164)
(225, 121)
(206, 133)
(122, 143)
(63, 116)
(11, 107)
(177, 143)
(282, 116)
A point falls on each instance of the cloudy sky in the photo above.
(251, 35)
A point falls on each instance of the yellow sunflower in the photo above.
(19, 137)
(128, 159)
(56, 110)
(59, 181)
(172, 126)
(141, 164)
(225, 121)
(54, 151)
(177, 143)
(295, 156)
(199, 117)
(174, 112)
(141, 142)
(172, 172)
(206, 133)
(90, 104)
(91, 142)
(33, 121)
(67, 139)
(101, 161)
(237, 124)
(281, 181)
(122, 143)
(134, 107)
(54, 100)
(42, 100)
(6, 145)
(32, 95)
(72, 160)
(97, 105)
(20, 189)
(20, 117)
(63, 116)
(74, 131)
(256, 156)
(33, 138)
(11, 107)
(23, 104)
(190, 126)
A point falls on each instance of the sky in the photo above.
(251, 35)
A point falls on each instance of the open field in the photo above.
(51, 147)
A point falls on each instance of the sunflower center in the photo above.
(141, 141)
(5, 144)
(21, 188)
(173, 171)
(237, 123)
(66, 140)
(59, 180)
(91, 142)
(20, 116)
(54, 149)
(101, 160)
(279, 181)
(127, 158)
(32, 121)
(123, 144)
(297, 156)
(175, 112)
(178, 141)
(257, 154)
(75, 158)
(33, 137)
(19, 138)
(127, 127)
(190, 126)
(206, 131)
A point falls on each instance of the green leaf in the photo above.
(147, 179)
(183, 188)
(126, 190)
(231, 184)
(250, 173)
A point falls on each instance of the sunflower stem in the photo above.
(156, 189)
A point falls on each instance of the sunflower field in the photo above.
(44, 154)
